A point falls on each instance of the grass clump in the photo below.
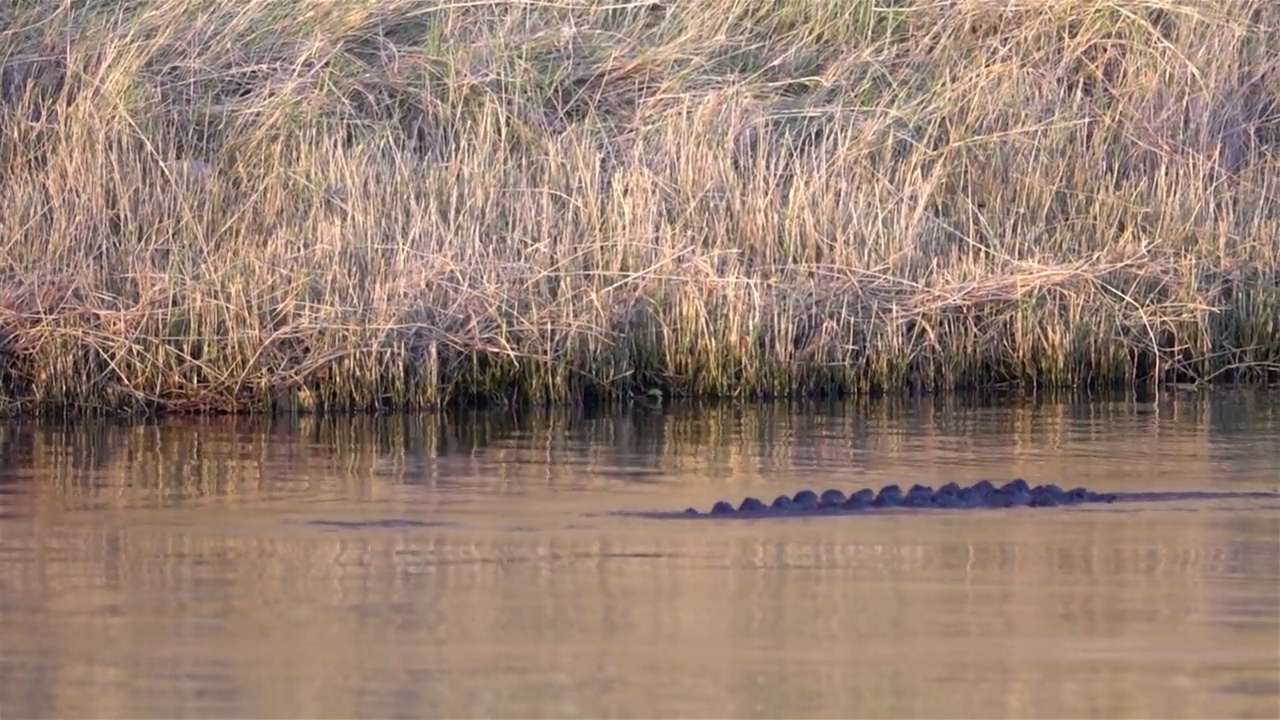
(222, 205)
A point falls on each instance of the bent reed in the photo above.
(232, 205)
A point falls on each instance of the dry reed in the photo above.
(307, 204)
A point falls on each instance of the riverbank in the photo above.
(295, 204)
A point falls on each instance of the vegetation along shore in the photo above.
(232, 205)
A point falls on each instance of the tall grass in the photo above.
(256, 204)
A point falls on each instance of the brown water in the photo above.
(470, 566)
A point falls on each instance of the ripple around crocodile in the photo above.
(984, 494)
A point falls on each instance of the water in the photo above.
(473, 566)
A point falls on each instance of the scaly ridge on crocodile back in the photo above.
(984, 494)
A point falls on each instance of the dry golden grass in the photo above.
(257, 204)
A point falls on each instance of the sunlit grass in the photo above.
(302, 204)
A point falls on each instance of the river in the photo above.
(476, 564)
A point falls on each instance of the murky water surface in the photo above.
(471, 566)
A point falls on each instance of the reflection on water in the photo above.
(470, 565)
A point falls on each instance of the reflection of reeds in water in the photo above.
(784, 446)
(397, 204)
(839, 623)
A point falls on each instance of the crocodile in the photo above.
(983, 494)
